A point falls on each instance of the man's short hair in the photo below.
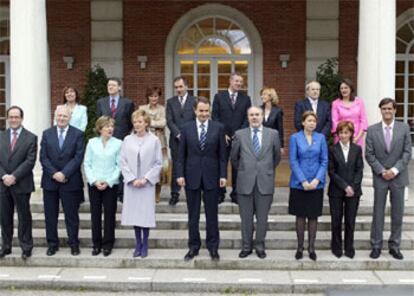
(201, 99)
(310, 82)
(386, 101)
(235, 74)
(17, 108)
(178, 78)
(116, 79)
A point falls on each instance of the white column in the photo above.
(29, 71)
(376, 53)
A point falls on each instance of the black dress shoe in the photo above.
(299, 254)
(4, 252)
(96, 251)
(312, 255)
(107, 252)
(396, 254)
(375, 253)
(174, 199)
(233, 197)
(26, 254)
(75, 251)
(221, 198)
(261, 254)
(337, 253)
(51, 251)
(190, 255)
(244, 254)
(350, 254)
(214, 255)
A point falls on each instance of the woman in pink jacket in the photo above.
(349, 107)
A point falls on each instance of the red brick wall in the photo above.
(281, 24)
(68, 35)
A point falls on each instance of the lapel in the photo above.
(68, 138)
(194, 135)
(395, 130)
(319, 111)
(19, 142)
(7, 136)
(106, 109)
(119, 108)
(308, 106)
(380, 136)
(265, 142)
(55, 139)
(340, 155)
(226, 97)
(248, 136)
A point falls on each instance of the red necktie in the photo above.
(14, 140)
(113, 108)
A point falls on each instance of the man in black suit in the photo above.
(201, 168)
(179, 111)
(118, 107)
(17, 159)
(313, 103)
(61, 154)
(230, 108)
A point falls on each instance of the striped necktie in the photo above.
(202, 136)
(256, 143)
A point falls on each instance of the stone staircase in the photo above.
(164, 270)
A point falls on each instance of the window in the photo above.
(4, 64)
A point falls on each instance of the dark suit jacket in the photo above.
(323, 112)
(232, 119)
(124, 110)
(343, 174)
(275, 121)
(68, 160)
(177, 116)
(20, 162)
(196, 165)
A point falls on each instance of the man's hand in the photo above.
(388, 175)
(9, 180)
(181, 181)
(223, 182)
(349, 192)
(228, 140)
(59, 177)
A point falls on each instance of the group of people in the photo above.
(129, 159)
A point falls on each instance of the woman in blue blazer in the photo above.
(308, 157)
(102, 169)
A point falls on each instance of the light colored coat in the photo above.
(158, 122)
(141, 157)
(252, 169)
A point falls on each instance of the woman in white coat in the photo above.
(141, 163)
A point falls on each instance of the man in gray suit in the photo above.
(17, 158)
(255, 153)
(388, 152)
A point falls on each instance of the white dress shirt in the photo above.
(314, 104)
(235, 95)
(18, 131)
(184, 99)
(345, 150)
(259, 133)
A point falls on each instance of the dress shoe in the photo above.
(136, 253)
(4, 252)
(244, 254)
(261, 254)
(75, 251)
(96, 251)
(233, 197)
(396, 254)
(190, 255)
(337, 253)
(375, 253)
(174, 199)
(26, 254)
(221, 198)
(51, 251)
(312, 255)
(215, 255)
(350, 254)
(299, 254)
(106, 252)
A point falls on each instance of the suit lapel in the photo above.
(119, 108)
(395, 132)
(226, 96)
(194, 135)
(68, 138)
(340, 153)
(380, 136)
(19, 142)
(265, 141)
(106, 108)
(308, 106)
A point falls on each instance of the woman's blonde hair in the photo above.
(103, 121)
(145, 116)
(272, 93)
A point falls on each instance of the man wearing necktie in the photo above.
(17, 158)
(255, 154)
(388, 152)
(180, 110)
(61, 154)
(312, 102)
(201, 168)
(230, 109)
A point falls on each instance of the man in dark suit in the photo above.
(201, 168)
(180, 109)
(118, 107)
(17, 159)
(61, 153)
(230, 108)
(313, 103)
(388, 152)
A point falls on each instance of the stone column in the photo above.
(29, 63)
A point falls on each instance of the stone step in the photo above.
(226, 222)
(219, 281)
(277, 208)
(229, 239)
(173, 258)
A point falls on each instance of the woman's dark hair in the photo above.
(343, 125)
(349, 83)
(153, 90)
(65, 89)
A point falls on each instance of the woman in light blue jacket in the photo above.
(308, 157)
(79, 118)
(102, 169)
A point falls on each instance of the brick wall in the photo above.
(68, 35)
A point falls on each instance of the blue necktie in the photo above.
(61, 138)
(256, 143)
(202, 136)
